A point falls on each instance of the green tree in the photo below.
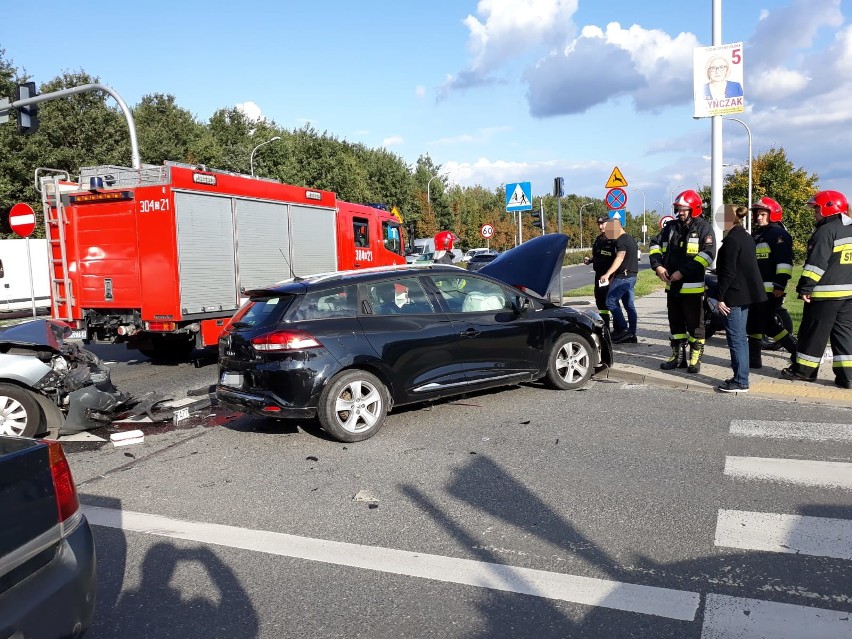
(165, 130)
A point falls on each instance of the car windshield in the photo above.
(261, 311)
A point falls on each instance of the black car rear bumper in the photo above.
(58, 599)
(259, 403)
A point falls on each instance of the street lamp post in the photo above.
(581, 221)
(428, 196)
(677, 186)
(251, 156)
(748, 131)
(644, 226)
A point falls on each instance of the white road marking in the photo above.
(772, 532)
(797, 471)
(728, 617)
(792, 430)
(662, 602)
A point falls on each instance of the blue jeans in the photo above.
(735, 332)
(621, 292)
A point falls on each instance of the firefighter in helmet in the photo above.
(679, 255)
(444, 247)
(826, 288)
(774, 248)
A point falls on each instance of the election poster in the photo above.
(718, 80)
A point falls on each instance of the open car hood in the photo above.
(535, 265)
(36, 334)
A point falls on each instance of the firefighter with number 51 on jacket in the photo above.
(774, 250)
(826, 288)
(679, 255)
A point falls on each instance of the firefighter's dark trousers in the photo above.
(821, 321)
(686, 316)
(600, 300)
(762, 321)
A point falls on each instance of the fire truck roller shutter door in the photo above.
(205, 230)
(263, 243)
(313, 231)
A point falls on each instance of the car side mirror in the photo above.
(520, 305)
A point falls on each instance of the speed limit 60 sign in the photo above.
(486, 231)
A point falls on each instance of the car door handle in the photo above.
(471, 332)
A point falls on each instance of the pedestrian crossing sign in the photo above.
(616, 178)
(518, 197)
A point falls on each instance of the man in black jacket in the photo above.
(740, 286)
(603, 253)
(679, 256)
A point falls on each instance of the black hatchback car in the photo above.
(347, 347)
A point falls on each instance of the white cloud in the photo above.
(776, 83)
(420, 91)
(392, 141)
(251, 111)
(507, 29)
(480, 136)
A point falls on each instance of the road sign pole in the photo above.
(30, 271)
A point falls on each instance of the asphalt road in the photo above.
(580, 275)
(520, 513)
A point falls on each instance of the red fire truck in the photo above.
(158, 257)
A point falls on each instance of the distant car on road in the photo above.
(424, 258)
(479, 260)
(477, 251)
(347, 347)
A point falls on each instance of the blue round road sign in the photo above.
(616, 198)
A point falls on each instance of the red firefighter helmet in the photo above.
(829, 203)
(444, 240)
(767, 203)
(691, 200)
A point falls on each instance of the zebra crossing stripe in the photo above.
(795, 471)
(792, 430)
(726, 617)
(773, 532)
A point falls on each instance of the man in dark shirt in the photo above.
(603, 253)
(621, 279)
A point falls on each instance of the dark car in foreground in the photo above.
(347, 347)
(47, 553)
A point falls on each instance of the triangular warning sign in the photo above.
(518, 196)
(615, 179)
(395, 212)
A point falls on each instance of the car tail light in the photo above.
(284, 341)
(63, 483)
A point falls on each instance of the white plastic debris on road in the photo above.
(127, 438)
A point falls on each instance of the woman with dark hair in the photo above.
(740, 285)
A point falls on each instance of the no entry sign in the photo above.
(22, 219)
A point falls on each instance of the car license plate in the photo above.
(232, 379)
(80, 334)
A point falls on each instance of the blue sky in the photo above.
(495, 91)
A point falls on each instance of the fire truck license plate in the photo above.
(232, 379)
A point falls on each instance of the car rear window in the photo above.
(262, 311)
(336, 302)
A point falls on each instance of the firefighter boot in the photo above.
(755, 359)
(678, 353)
(696, 350)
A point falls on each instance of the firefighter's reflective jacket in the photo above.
(774, 249)
(689, 248)
(828, 267)
(603, 254)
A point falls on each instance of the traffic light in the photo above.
(27, 115)
(537, 219)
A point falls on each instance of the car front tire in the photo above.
(571, 363)
(20, 415)
(353, 406)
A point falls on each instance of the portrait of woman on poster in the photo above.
(719, 86)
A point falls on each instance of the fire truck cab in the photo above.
(159, 257)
